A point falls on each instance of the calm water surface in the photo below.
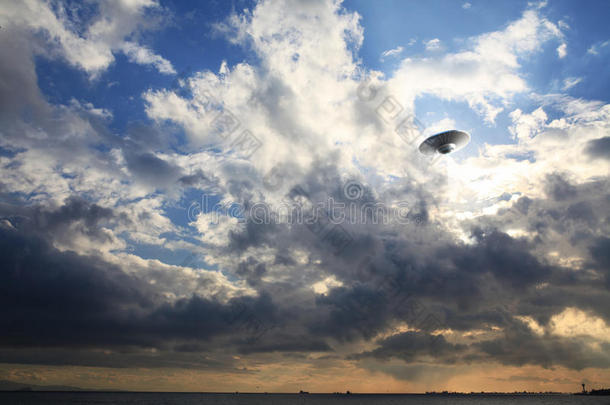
(87, 398)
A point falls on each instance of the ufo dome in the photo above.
(444, 142)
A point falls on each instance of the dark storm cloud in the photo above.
(75, 215)
(599, 148)
(413, 274)
(253, 235)
(56, 298)
(519, 346)
(288, 344)
(558, 187)
(508, 259)
(576, 212)
(74, 210)
(464, 289)
(52, 298)
(467, 286)
(123, 357)
(251, 270)
(412, 346)
(353, 313)
(420, 272)
(600, 252)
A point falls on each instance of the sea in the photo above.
(125, 398)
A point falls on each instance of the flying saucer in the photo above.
(445, 142)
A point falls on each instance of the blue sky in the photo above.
(124, 122)
(188, 40)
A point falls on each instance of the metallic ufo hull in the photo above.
(445, 142)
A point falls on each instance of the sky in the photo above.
(229, 196)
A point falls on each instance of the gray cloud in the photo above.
(411, 346)
(519, 346)
(599, 148)
(60, 298)
(153, 170)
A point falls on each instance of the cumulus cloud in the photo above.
(483, 74)
(91, 51)
(498, 255)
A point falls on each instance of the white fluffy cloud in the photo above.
(92, 50)
(502, 173)
(283, 103)
(487, 74)
(309, 73)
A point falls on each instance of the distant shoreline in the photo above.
(86, 391)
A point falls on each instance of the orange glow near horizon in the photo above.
(291, 378)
